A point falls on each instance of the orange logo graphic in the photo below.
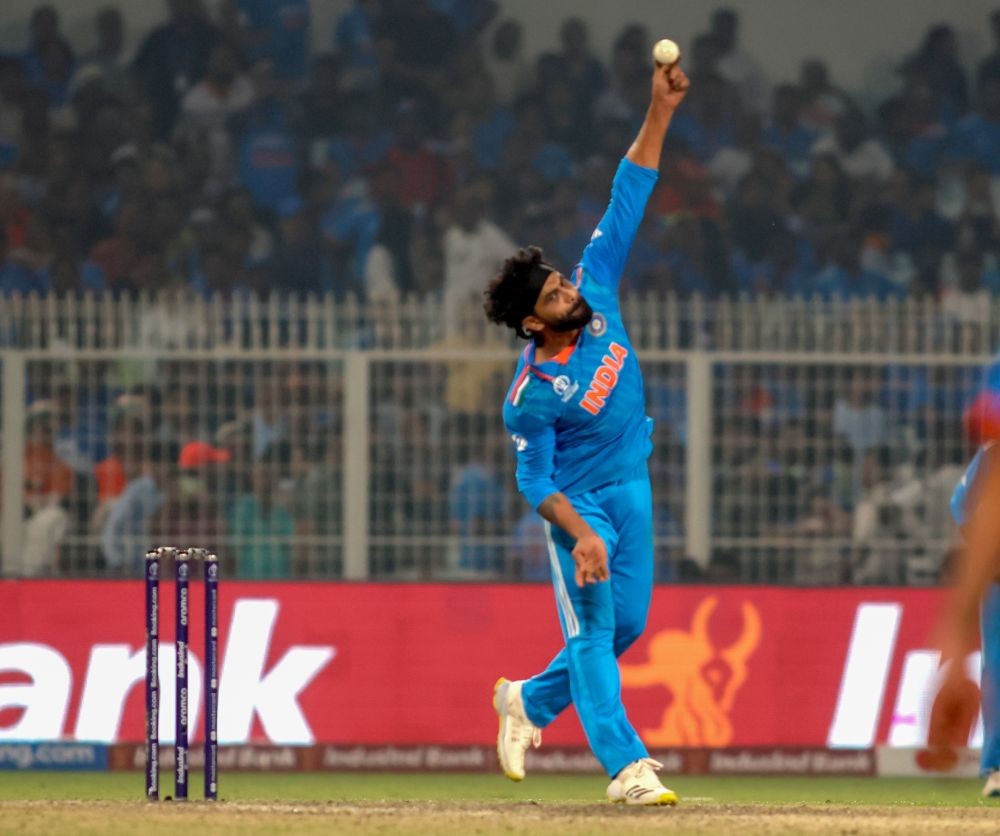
(702, 679)
(605, 379)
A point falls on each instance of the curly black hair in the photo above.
(510, 296)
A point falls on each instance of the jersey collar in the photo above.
(561, 359)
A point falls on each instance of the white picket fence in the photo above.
(388, 459)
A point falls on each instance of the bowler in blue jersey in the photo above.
(972, 610)
(965, 503)
(576, 416)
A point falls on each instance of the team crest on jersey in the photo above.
(598, 325)
(564, 387)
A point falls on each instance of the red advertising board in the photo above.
(393, 663)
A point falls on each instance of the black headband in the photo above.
(533, 288)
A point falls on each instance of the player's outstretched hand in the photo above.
(591, 558)
(953, 714)
(670, 86)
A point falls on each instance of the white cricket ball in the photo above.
(666, 52)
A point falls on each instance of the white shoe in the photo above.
(516, 732)
(991, 789)
(638, 785)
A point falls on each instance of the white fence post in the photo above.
(698, 459)
(12, 447)
(356, 487)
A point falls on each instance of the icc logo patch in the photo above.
(564, 387)
(520, 442)
(598, 325)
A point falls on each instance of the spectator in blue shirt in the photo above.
(977, 137)
(350, 227)
(787, 133)
(268, 153)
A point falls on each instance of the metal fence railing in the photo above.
(799, 441)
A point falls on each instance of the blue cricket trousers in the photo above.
(990, 760)
(600, 621)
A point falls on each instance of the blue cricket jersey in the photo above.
(578, 421)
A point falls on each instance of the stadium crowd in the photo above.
(222, 156)
(407, 160)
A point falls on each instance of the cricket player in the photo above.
(967, 507)
(973, 607)
(576, 414)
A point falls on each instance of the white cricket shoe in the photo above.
(516, 732)
(991, 789)
(637, 784)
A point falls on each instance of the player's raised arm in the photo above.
(670, 85)
(608, 249)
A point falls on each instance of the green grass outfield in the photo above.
(559, 789)
(360, 803)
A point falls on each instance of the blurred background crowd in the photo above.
(223, 156)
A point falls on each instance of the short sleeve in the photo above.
(533, 432)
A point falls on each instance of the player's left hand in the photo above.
(591, 558)
(953, 715)
(670, 86)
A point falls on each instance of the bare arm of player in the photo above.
(590, 552)
(670, 85)
(959, 630)
(956, 705)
